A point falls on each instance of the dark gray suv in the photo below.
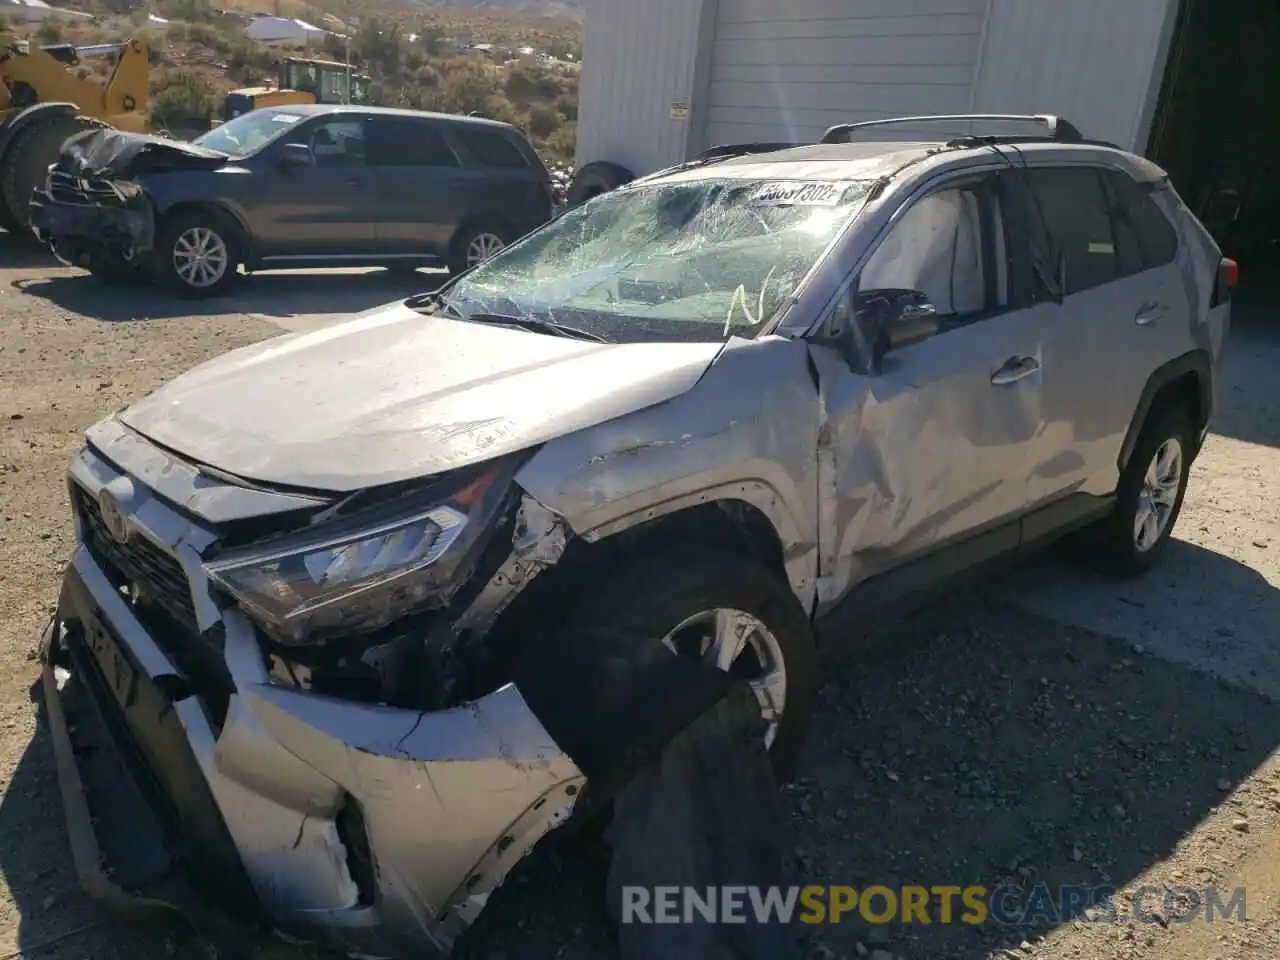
(297, 186)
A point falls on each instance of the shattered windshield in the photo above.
(247, 132)
(699, 260)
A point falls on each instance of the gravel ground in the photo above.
(1049, 729)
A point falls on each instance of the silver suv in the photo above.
(322, 584)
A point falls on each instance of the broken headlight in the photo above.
(354, 573)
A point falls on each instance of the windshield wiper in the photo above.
(537, 325)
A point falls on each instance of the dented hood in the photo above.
(119, 155)
(392, 395)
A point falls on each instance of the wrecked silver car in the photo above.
(369, 610)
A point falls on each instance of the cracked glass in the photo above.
(686, 260)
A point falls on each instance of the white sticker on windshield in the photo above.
(286, 118)
(797, 192)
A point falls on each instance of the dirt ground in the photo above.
(1052, 728)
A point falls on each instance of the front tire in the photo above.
(1150, 493)
(197, 255)
(730, 611)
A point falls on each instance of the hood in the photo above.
(118, 155)
(393, 395)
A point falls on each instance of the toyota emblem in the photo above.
(113, 517)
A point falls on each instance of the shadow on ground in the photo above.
(975, 743)
(273, 295)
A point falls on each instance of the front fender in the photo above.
(748, 430)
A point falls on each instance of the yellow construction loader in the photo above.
(43, 102)
(302, 81)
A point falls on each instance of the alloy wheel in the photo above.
(1159, 495)
(739, 643)
(200, 257)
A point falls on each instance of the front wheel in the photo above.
(197, 255)
(734, 614)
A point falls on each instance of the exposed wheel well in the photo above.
(732, 525)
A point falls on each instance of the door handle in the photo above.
(355, 181)
(1015, 369)
(1148, 313)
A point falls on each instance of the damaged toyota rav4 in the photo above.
(347, 603)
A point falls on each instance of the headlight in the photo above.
(361, 572)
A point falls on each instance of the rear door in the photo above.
(1147, 251)
(321, 212)
(1090, 394)
(508, 181)
(420, 186)
(1109, 333)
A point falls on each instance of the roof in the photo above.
(873, 159)
(315, 109)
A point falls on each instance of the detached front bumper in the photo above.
(380, 829)
(76, 215)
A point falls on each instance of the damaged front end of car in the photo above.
(335, 713)
(92, 211)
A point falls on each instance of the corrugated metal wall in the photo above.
(639, 57)
(788, 69)
(1097, 62)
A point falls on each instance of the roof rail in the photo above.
(1058, 129)
(743, 149)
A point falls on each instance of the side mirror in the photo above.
(898, 318)
(296, 155)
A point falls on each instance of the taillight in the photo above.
(1228, 280)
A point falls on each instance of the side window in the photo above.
(337, 142)
(394, 142)
(1145, 238)
(1077, 214)
(489, 148)
(948, 246)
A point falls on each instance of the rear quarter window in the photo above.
(1145, 238)
(489, 148)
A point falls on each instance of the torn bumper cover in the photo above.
(75, 215)
(91, 197)
(382, 830)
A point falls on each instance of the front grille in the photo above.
(138, 561)
(83, 191)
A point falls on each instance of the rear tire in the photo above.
(653, 598)
(1149, 496)
(26, 163)
(197, 254)
(476, 242)
(596, 178)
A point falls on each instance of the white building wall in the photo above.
(1099, 63)
(639, 58)
(789, 69)
(757, 70)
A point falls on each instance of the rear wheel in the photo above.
(26, 163)
(197, 254)
(1149, 496)
(477, 243)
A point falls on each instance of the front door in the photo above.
(323, 212)
(934, 443)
